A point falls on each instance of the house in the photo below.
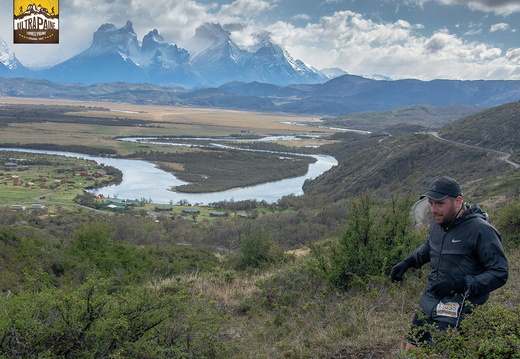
(29, 184)
(18, 207)
(218, 214)
(190, 211)
(163, 208)
(124, 202)
(17, 181)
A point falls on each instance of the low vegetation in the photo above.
(79, 285)
(499, 124)
(425, 116)
(306, 277)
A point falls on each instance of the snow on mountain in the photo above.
(219, 59)
(333, 72)
(167, 64)
(8, 60)
(210, 58)
(108, 59)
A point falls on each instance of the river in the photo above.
(143, 180)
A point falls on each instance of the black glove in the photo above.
(446, 287)
(397, 272)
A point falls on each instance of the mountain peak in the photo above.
(152, 41)
(108, 38)
(211, 31)
(8, 58)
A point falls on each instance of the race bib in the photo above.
(448, 309)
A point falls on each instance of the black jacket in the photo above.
(470, 249)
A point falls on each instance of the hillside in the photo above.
(496, 128)
(419, 115)
(370, 165)
(376, 161)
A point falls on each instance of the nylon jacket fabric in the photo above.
(470, 249)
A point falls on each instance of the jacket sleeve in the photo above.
(495, 266)
(420, 256)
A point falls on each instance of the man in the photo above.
(466, 258)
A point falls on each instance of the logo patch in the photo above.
(36, 24)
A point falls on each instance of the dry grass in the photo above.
(163, 121)
(367, 322)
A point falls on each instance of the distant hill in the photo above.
(374, 162)
(497, 128)
(419, 115)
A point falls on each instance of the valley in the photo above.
(95, 128)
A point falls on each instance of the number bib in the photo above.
(448, 309)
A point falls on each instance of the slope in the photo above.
(497, 128)
(374, 163)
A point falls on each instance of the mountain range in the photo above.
(210, 69)
(116, 55)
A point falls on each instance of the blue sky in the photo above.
(423, 39)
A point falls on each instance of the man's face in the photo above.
(445, 210)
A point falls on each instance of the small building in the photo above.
(37, 206)
(163, 208)
(190, 211)
(18, 207)
(218, 214)
(97, 174)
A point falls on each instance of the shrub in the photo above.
(257, 250)
(489, 332)
(376, 238)
(95, 320)
(508, 221)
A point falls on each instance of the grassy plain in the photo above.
(161, 121)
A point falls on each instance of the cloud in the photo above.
(499, 7)
(245, 8)
(79, 19)
(396, 49)
(499, 27)
(301, 17)
(343, 39)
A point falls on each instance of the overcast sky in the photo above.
(423, 39)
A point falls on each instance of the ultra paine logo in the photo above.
(36, 23)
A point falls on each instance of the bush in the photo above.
(508, 221)
(376, 238)
(95, 320)
(258, 250)
(489, 332)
